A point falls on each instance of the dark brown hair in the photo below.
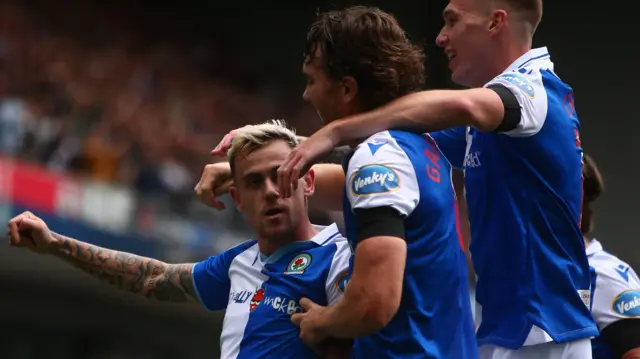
(369, 45)
(593, 186)
(528, 10)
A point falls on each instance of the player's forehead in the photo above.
(313, 64)
(264, 159)
(458, 7)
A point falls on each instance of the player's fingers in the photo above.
(204, 194)
(307, 304)
(297, 319)
(217, 204)
(29, 224)
(223, 188)
(291, 175)
(295, 177)
(292, 181)
(218, 150)
(224, 145)
(14, 236)
(281, 176)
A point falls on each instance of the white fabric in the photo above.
(380, 174)
(580, 349)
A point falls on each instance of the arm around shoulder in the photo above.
(426, 111)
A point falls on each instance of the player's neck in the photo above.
(304, 232)
(510, 50)
(513, 50)
(353, 111)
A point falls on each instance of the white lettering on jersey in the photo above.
(520, 82)
(281, 304)
(239, 297)
(373, 179)
(472, 160)
(627, 303)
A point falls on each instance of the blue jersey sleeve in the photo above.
(453, 144)
(211, 277)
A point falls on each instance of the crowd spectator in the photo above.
(91, 100)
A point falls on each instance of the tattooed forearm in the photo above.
(146, 276)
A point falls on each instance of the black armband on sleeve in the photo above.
(622, 336)
(512, 110)
(379, 221)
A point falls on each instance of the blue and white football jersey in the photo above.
(260, 294)
(524, 195)
(615, 295)
(407, 172)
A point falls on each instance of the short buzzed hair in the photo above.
(250, 138)
(529, 11)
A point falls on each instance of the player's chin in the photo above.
(460, 76)
(456, 76)
(274, 228)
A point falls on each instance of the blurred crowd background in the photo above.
(108, 112)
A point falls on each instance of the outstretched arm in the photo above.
(148, 277)
(145, 276)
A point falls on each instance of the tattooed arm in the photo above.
(145, 276)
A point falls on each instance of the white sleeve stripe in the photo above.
(339, 264)
(195, 287)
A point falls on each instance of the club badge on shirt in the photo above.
(299, 264)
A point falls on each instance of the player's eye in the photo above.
(253, 181)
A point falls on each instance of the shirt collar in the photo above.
(324, 235)
(533, 55)
(594, 247)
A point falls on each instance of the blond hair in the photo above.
(252, 137)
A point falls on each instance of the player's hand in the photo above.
(224, 145)
(301, 158)
(310, 323)
(215, 181)
(28, 231)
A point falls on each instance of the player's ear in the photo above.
(350, 89)
(233, 192)
(498, 20)
(309, 183)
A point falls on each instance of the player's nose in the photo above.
(271, 189)
(442, 39)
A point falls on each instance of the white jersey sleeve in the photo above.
(616, 294)
(526, 85)
(339, 274)
(380, 174)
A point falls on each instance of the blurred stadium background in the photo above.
(108, 111)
